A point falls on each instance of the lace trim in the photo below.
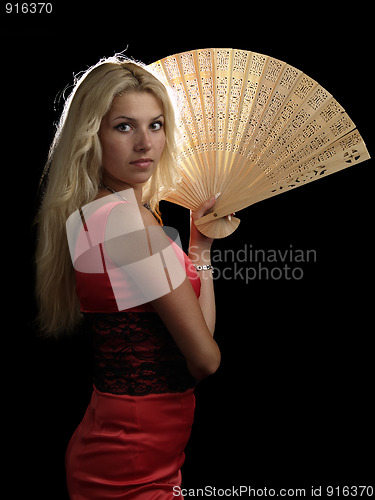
(134, 354)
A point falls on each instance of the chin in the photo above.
(143, 177)
(138, 181)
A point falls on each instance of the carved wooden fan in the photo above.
(251, 127)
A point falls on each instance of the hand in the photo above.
(196, 237)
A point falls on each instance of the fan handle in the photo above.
(214, 226)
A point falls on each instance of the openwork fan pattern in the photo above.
(251, 127)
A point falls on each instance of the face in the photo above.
(132, 137)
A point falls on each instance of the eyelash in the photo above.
(118, 127)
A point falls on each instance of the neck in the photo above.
(118, 186)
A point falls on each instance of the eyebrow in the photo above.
(134, 119)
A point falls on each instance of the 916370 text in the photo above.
(28, 8)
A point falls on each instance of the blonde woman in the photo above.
(114, 153)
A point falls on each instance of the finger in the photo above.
(206, 206)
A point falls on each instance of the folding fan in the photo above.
(251, 127)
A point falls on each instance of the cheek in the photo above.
(160, 144)
(113, 149)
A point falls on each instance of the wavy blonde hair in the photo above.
(72, 177)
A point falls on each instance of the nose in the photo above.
(143, 141)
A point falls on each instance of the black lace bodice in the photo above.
(135, 354)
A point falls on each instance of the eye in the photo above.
(123, 127)
(155, 126)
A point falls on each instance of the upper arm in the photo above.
(182, 315)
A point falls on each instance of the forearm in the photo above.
(201, 256)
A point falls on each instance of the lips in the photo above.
(142, 162)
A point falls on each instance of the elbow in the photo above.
(205, 368)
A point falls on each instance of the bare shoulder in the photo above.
(148, 218)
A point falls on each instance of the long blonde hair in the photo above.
(73, 173)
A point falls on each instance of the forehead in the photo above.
(137, 105)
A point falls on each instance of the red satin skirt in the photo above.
(130, 447)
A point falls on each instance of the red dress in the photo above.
(130, 443)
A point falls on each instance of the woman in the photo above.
(112, 154)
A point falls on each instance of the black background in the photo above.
(290, 404)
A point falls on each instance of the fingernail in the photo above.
(217, 195)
